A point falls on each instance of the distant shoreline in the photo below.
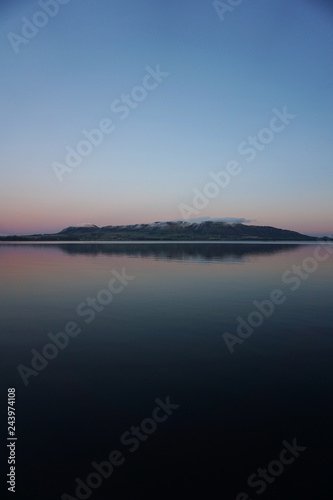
(161, 242)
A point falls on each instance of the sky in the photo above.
(178, 92)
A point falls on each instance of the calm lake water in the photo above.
(147, 322)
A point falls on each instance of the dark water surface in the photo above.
(159, 334)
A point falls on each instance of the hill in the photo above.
(170, 231)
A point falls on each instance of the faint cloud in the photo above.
(229, 220)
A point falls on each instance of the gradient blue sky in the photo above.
(225, 79)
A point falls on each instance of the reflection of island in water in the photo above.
(199, 252)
